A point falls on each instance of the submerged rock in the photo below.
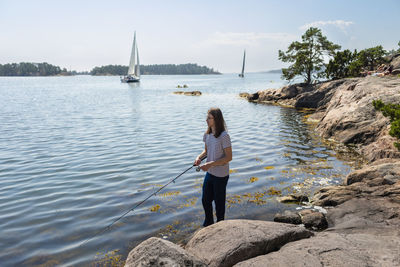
(229, 242)
(293, 198)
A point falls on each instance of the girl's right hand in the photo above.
(197, 162)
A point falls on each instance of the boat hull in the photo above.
(130, 79)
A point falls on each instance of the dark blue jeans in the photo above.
(214, 188)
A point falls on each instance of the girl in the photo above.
(218, 150)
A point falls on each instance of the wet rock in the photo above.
(395, 72)
(288, 217)
(229, 242)
(292, 198)
(252, 97)
(192, 93)
(313, 219)
(158, 252)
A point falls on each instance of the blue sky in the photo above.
(82, 34)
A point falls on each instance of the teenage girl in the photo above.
(218, 149)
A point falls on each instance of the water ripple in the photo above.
(77, 152)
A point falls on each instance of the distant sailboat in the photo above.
(244, 59)
(134, 66)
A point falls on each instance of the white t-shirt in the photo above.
(215, 151)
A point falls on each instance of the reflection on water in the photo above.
(77, 152)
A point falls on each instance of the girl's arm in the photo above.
(220, 162)
(201, 156)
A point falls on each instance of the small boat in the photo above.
(244, 59)
(133, 74)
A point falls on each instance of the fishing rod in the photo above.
(140, 203)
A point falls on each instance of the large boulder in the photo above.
(395, 61)
(350, 117)
(378, 180)
(229, 242)
(387, 173)
(158, 252)
(334, 249)
(361, 213)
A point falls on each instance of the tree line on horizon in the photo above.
(33, 69)
(308, 58)
(157, 69)
(46, 69)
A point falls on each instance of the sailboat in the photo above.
(244, 59)
(134, 67)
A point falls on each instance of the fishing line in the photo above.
(137, 205)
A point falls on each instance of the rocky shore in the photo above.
(361, 217)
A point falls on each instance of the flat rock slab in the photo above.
(360, 213)
(229, 242)
(378, 181)
(159, 252)
(334, 249)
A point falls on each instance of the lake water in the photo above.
(77, 152)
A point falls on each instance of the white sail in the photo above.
(131, 70)
(137, 69)
(244, 60)
(134, 68)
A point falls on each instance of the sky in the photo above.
(80, 35)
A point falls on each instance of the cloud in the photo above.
(247, 38)
(341, 24)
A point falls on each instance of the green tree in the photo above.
(371, 58)
(307, 56)
(393, 112)
(341, 65)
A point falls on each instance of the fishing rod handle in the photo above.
(198, 167)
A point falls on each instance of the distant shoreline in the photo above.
(29, 69)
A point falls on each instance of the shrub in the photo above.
(393, 112)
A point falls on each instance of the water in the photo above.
(77, 152)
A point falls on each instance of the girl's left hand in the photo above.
(206, 166)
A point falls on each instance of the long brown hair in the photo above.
(219, 122)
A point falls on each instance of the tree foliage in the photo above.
(341, 65)
(154, 69)
(393, 112)
(371, 58)
(31, 69)
(350, 64)
(307, 56)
